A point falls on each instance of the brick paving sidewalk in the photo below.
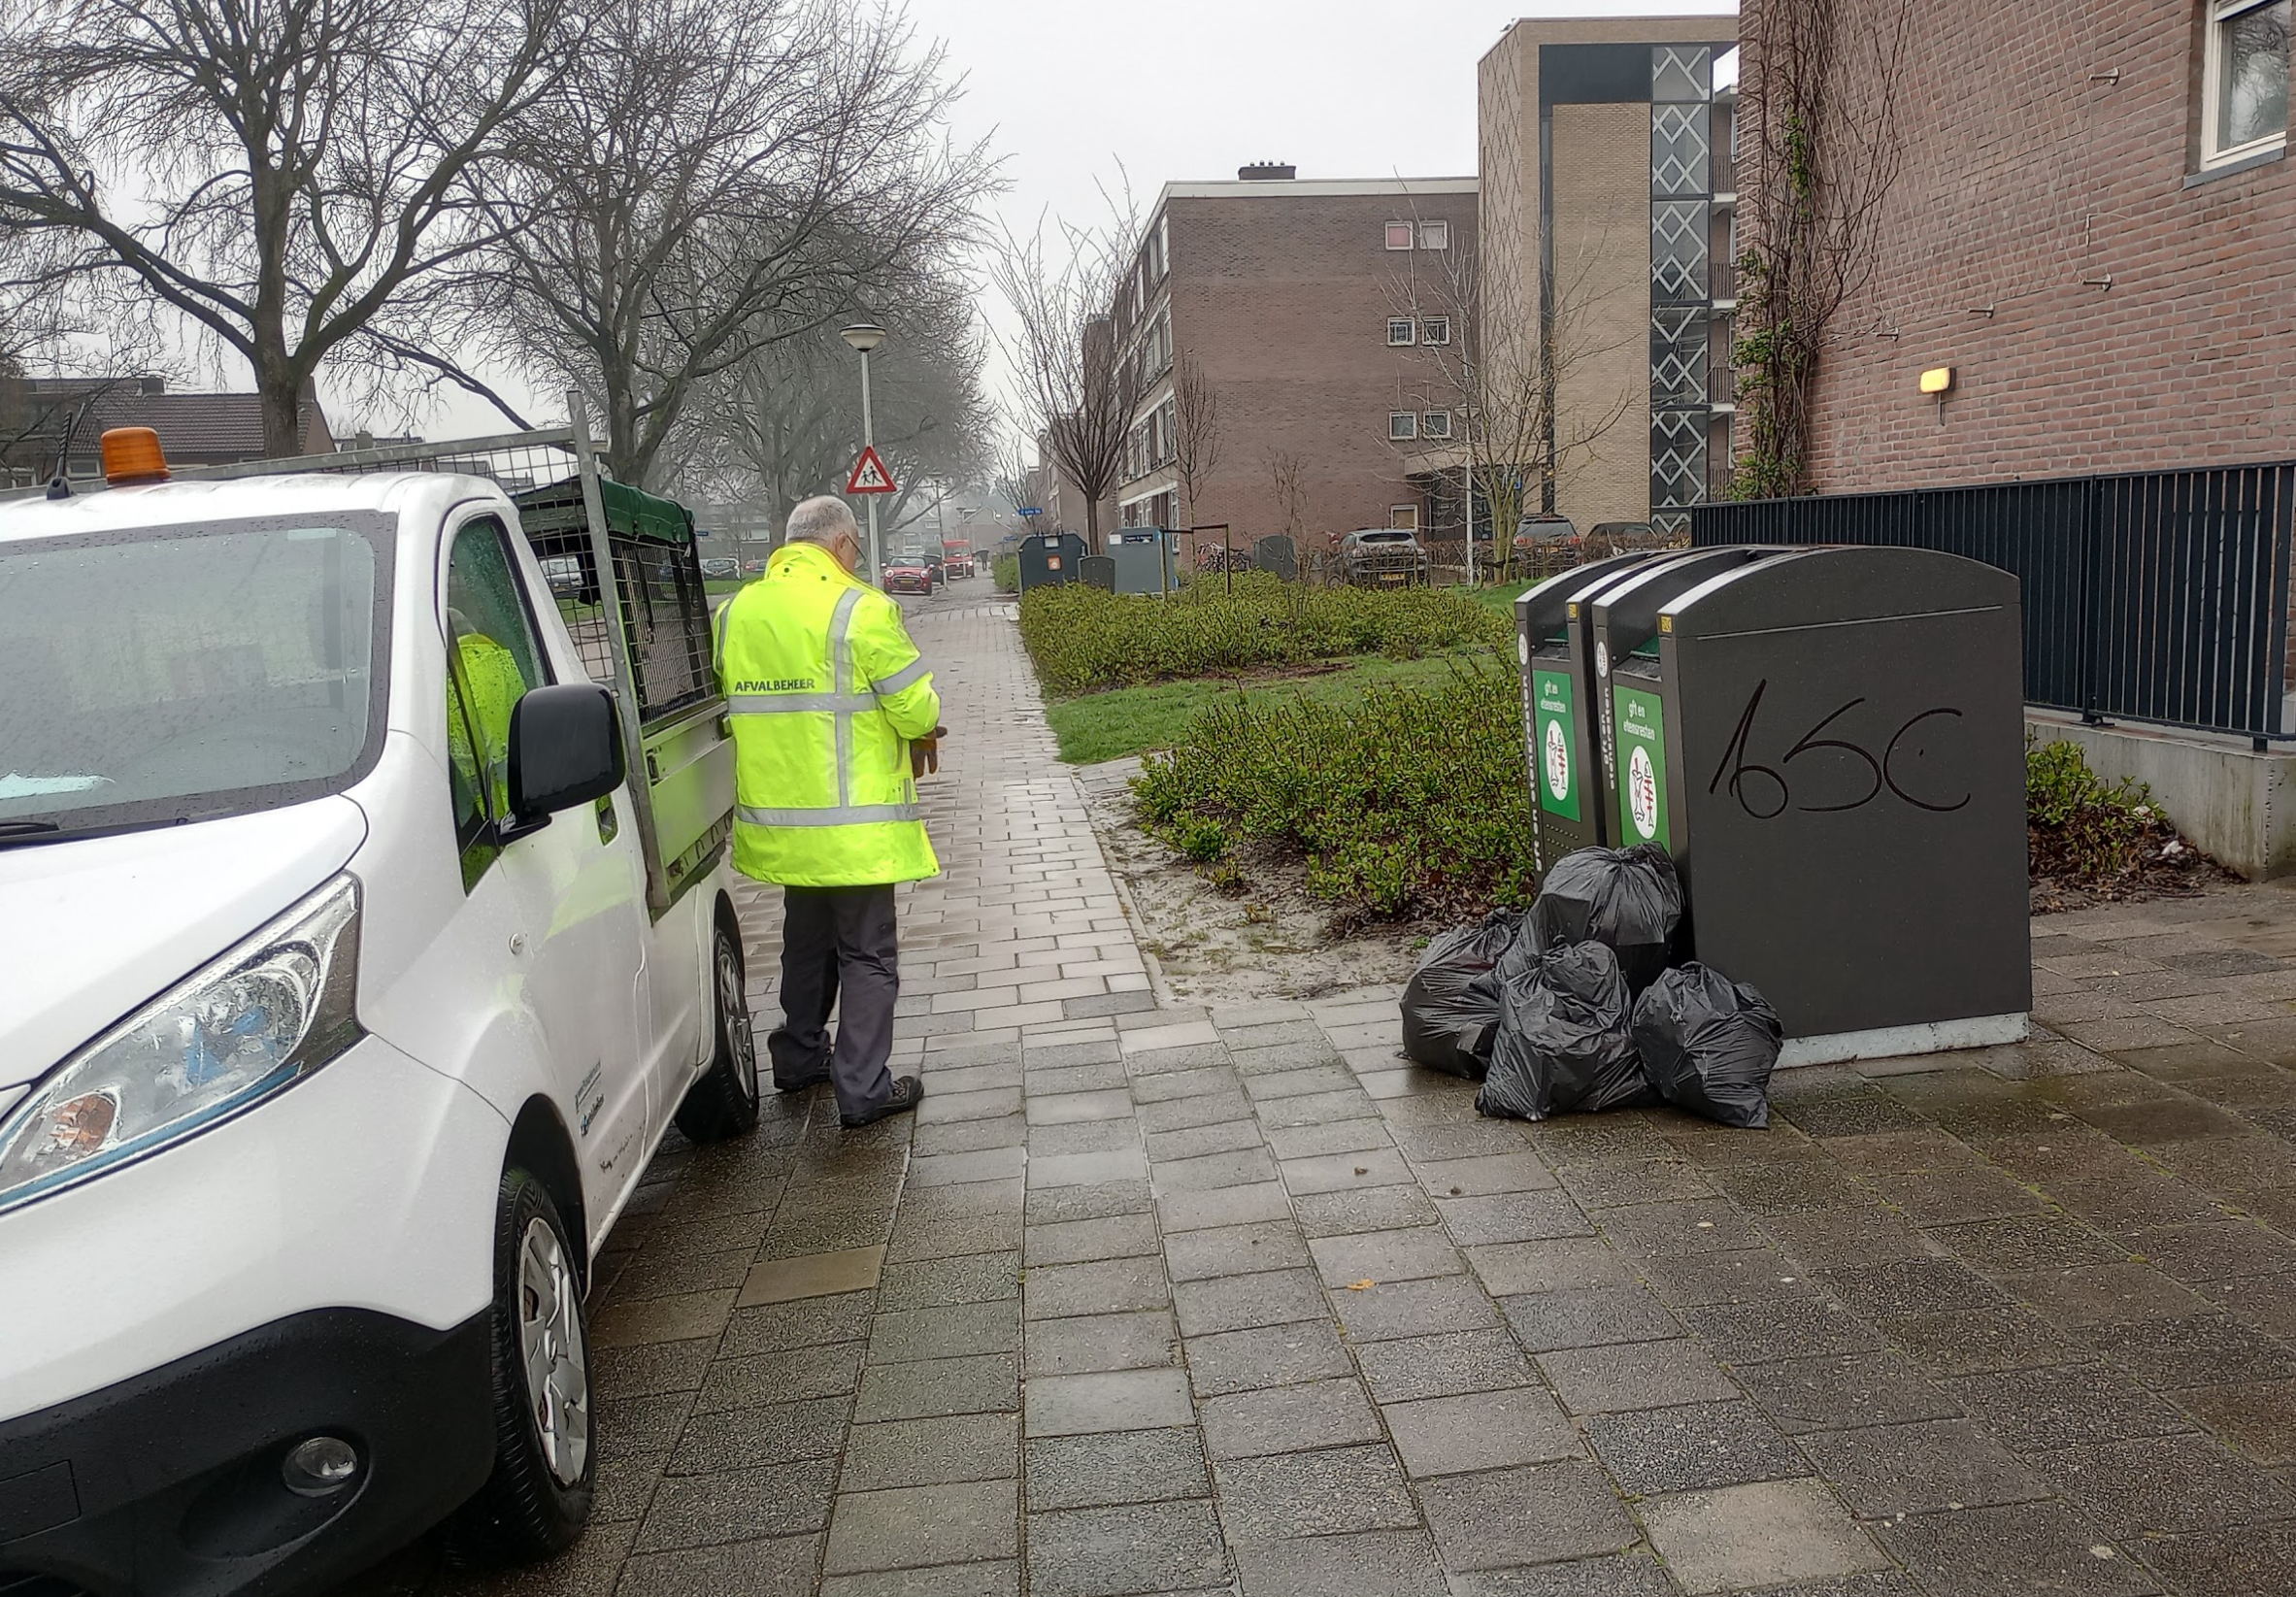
(1165, 1301)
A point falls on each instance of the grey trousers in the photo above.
(841, 947)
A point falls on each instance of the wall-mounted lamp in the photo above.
(1938, 381)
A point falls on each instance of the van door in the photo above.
(572, 893)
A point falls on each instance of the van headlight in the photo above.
(253, 1022)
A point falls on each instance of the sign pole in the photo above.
(869, 443)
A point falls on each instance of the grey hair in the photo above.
(820, 519)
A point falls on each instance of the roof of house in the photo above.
(193, 427)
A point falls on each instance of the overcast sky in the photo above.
(1187, 90)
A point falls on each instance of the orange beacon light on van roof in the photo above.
(132, 455)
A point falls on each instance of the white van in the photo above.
(347, 982)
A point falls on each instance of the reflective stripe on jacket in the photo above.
(825, 690)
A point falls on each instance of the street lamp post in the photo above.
(864, 337)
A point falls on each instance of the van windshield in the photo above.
(179, 673)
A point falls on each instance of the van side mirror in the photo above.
(566, 749)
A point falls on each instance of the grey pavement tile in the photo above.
(1958, 1193)
(1587, 1318)
(658, 1272)
(1166, 1546)
(1324, 1493)
(2206, 1350)
(1837, 1391)
(1792, 1188)
(2093, 1294)
(649, 1370)
(915, 1526)
(983, 1383)
(964, 1200)
(995, 1577)
(638, 1425)
(1109, 1467)
(1443, 1365)
(1296, 1067)
(2216, 1250)
(1692, 1448)
(2068, 1406)
(1113, 1102)
(1389, 1308)
(1694, 1225)
(1272, 1355)
(1053, 1205)
(1322, 1413)
(1767, 1329)
(1636, 1374)
(1342, 1106)
(1329, 1137)
(1922, 1468)
(682, 1319)
(2247, 1562)
(1846, 1239)
(2138, 1202)
(992, 1103)
(1346, 1172)
(1625, 1182)
(1507, 1268)
(1058, 1055)
(1479, 1431)
(744, 1569)
(816, 1275)
(1760, 1535)
(1103, 1287)
(2045, 1241)
(938, 1236)
(1108, 1399)
(1483, 1175)
(921, 1452)
(1461, 1139)
(947, 1332)
(829, 1231)
(1080, 1242)
(1217, 1105)
(1193, 1142)
(1099, 1077)
(773, 1433)
(934, 1283)
(1183, 1058)
(959, 1169)
(1080, 1137)
(1211, 1171)
(1618, 1574)
(1910, 1286)
(1372, 1208)
(1222, 1205)
(2044, 1548)
(2164, 1485)
(1387, 1256)
(1107, 1003)
(1237, 1303)
(1754, 1275)
(1973, 1341)
(1512, 1216)
(1544, 1514)
(800, 1324)
(2258, 1419)
(1116, 1164)
(1235, 1250)
(1377, 1563)
(625, 1488)
(2266, 1301)
(791, 1376)
(1138, 1340)
(743, 1505)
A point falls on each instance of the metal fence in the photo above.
(2157, 597)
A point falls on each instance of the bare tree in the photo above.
(1195, 429)
(283, 174)
(1818, 118)
(713, 177)
(1285, 468)
(1078, 388)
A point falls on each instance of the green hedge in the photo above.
(1004, 571)
(1083, 639)
(1412, 802)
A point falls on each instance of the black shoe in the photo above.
(802, 1082)
(908, 1093)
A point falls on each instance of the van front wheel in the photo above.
(722, 1101)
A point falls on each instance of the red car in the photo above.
(906, 575)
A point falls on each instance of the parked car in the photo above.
(907, 574)
(1608, 538)
(1382, 557)
(341, 1012)
(934, 565)
(723, 568)
(564, 574)
(1545, 532)
(957, 556)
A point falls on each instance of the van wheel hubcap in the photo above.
(552, 1349)
(733, 1008)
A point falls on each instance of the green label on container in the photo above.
(1558, 743)
(1640, 721)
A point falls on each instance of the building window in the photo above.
(1435, 235)
(1436, 424)
(1399, 235)
(1404, 516)
(2245, 99)
(1401, 330)
(1435, 330)
(1401, 425)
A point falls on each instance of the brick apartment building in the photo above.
(1317, 314)
(2095, 227)
(1607, 198)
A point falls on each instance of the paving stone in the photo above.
(1102, 1288)
(946, 1332)
(1378, 1563)
(1747, 1333)
(1347, 1136)
(1213, 1170)
(2139, 1201)
(1512, 1216)
(2206, 1350)
(1237, 1303)
(1847, 1238)
(1443, 1365)
(1973, 1341)
(1109, 1467)
(1464, 1140)
(2037, 1548)
(1109, 1400)
(1081, 1137)
(1089, 1078)
(920, 1452)
(1944, 1197)
(1193, 1142)
(790, 1376)
(988, 1382)
(1389, 1308)
(1697, 1225)
(682, 1319)
(1515, 1170)
(940, 1236)
(743, 1505)
(1080, 1242)
(2027, 1241)
(816, 1275)
(2195, 1254)
(1375, 1208)
(1912, 1286)
(1323, 1494)
(1273, 1355)
(1346, 1172)
(1120, 1164)
(1635, 1374)
(1320, 1413)
(799, 1323)
(1142, 1339)
(748, 1569)
(1792, 1188)
(2257, 1419)
(2247, 1562)
(2164, 1485)
(1479, 1431)
(1235, 1250)
(2103, 1293)
(1630, 1181)
(1513, 1267)
(1053, 1205)
(1062, 1108)
(1620, 1574)
(1921, 1468)
(954, 1169)
(916, 1526)
(734, 1439)
(663, 1273)
(2070, 1406)
(1587, 1318)
(1506, 1517)
(1143, 1547)
(1836, 1392)
(934, 1283)
(1759, 1535)
(1691, 1448)
(1246, 1205)
(1385, 1255)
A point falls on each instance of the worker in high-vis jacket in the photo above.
(834, 719)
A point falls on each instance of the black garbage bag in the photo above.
(1449, 1011)
(1628, 899)
(1563, 1044)
(1708, 1044)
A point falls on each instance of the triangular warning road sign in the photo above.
(869, 475)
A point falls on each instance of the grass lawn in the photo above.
(1502, 597)
(1125, 720)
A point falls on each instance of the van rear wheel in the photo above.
(722, 1101)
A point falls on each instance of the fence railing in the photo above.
(2156, 596)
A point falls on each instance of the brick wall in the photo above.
(1602, 270)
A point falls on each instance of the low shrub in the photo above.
(2079, 826)
(1004, 571)
(1084, 638)
(1412, 801)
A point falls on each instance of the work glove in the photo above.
(924, 753)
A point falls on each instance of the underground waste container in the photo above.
(1048, 558)
(1147, 559)
(1558, 718)
(1830, 741)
